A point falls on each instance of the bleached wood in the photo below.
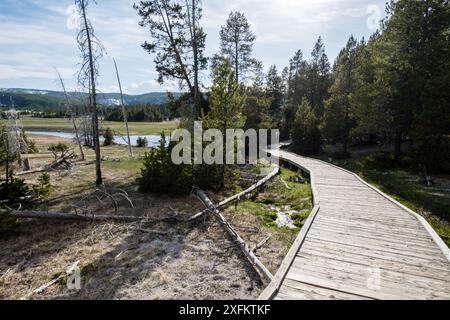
(256, 263)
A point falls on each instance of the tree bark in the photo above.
(69, 216)
(93, 95)
(197, 106)
(254, 261)
(7, 160)
(236, 62)
(77, 136)
(124, 112)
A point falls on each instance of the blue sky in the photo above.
(38, 35)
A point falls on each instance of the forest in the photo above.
(388, 90)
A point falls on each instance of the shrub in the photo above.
(380, 160)
(29, 144)
(161, 175)
(44, 188)
(306, 135)
(432, 153)
(14, 191)
(142, 142)
(109, 137)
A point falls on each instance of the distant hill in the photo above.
(35, 98)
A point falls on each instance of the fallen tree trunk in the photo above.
(242, 194)
(63, 159)
(22, 173)
(50, 166)
(70, 216)
(254, 261)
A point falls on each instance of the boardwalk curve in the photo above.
(359, 243)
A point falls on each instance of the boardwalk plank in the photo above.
(356, 229)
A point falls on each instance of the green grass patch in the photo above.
(132, 166)
(136, 128)
(298, 197)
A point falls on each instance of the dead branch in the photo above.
(49, 284)
(70, 216)
(99, 195)
(262, 243)
(240, 195)
(158, 232)
(285, 184)
(63, 160)
(17, 267)
(262, 270)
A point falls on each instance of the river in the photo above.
(153, 140)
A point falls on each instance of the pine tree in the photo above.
(338, 118)
(236, 45)
(178, 41)
(274, 88)
(257, 107)
(403, 77)
(306, 137)
(294, 92)
(318, 77)
(227, 104)
(109, 137)
(227, 101)
(296, 68)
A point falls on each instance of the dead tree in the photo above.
(72, 116)
(124, 112)
(91, 51)
(12, 143)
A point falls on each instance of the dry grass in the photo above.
(120, 261)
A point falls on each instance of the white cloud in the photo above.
(11, 73)
(33, 42)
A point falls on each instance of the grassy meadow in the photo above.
(136, 128)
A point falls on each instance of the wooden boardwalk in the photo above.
(359, 243)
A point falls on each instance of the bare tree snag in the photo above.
(124, 111)
(72, 116)
(262, 270)
(91, 50)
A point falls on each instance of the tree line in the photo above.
(390, 89)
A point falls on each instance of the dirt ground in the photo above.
(128, 260)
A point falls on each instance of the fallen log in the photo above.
(49, 167)
(240, 195)
(38, 170)
(63, 159)
(254, 261)
(259, 245)
(102, 218)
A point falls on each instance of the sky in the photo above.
(37, 36)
